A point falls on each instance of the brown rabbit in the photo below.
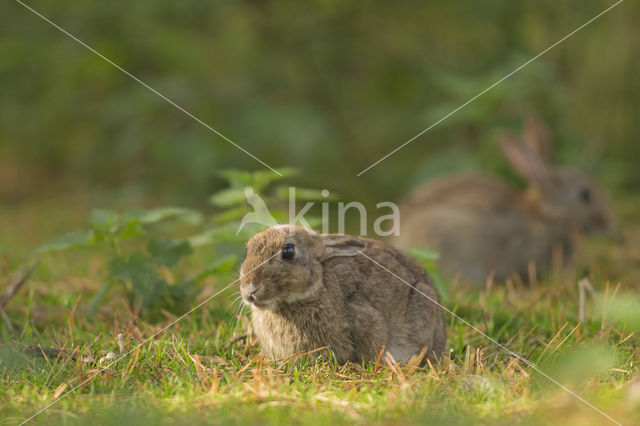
(308, 290)
(482, 226)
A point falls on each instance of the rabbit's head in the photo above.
(561, 192)
(284, 264)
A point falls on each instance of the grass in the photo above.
(204, 370)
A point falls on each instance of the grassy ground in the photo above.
(205, 368)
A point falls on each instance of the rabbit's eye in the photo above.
(585, 196)
(288, 252)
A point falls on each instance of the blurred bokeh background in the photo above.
(326, 86)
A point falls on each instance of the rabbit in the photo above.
(482, 227)
(308, 290)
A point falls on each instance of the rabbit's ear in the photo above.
(537, 138)
(340, 245)
(523, 159)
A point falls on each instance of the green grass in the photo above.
(200, 371)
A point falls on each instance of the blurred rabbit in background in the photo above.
(483, 226)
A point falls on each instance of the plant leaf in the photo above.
(74, 239)
(147, 287)
(305, 194)
(228, 197)
(222, 264)
(236, 178)
(440, 282)
(422, 254)
(230, 214)
(263, 178)
(104, 221)
(151, 216)
(168, 252)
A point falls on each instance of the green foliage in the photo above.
(622, 310)
(73, 239)
(106, 225)
(428, 258)
(574, 366)
(137, 270)
(317, 84)
(231, 200)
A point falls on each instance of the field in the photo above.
(207, 369)
(133, 315)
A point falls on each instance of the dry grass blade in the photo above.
(200, 369)
(548, 345)
(559, 345)
(243, 369)
(416, 360)
(378, 360)
(395, 368)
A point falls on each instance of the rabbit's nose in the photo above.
(251, 290)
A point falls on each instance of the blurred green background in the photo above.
(327, 86)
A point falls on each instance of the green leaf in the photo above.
(202, 239)
(147, 287)
(131, 231)
(305, 194)
(183, 292)
(422, 254)
(228, 197)
(236, 178)
(441, 283)
(230, 214)
(168, 252)
(151, 216)
(104, 221)
(259, 179)
(225, 233)
(621, 310)
(222, 264)
(74, 239)
(427, 258)
(263, 178)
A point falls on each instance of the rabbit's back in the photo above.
(479, 225)
(390, 300)
(472, 190)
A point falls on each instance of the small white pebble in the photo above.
(108, 356)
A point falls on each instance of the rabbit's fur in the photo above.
(483, 226)
(332, 295)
